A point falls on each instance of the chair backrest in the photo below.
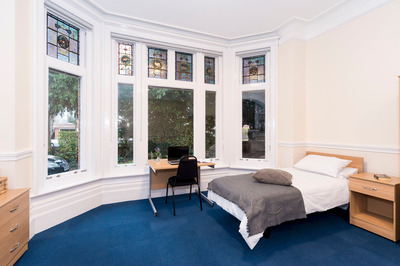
(187, 168)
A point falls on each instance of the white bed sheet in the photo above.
(320, 193)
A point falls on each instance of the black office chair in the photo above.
(186, 175)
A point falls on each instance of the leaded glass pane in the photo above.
(253, 124)
(254, 69)
(183, 66)
(64, 118)
(62, 40)
(125, 123)
(210, 124)
(157, 60)
(125, 61)
(209, 70)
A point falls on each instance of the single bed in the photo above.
(320, 192)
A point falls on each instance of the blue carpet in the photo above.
(129, 234)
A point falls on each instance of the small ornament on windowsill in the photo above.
(3, 185)
(157, 151)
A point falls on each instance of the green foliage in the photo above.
(63, 97)
(210, 136)
(170, 118)
(69, 143)
(63, 94)
(125, 151)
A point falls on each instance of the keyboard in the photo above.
(173, 162)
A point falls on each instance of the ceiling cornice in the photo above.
(294, 28)
(306, 30)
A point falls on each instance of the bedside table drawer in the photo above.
(374, 189)
(13, 209)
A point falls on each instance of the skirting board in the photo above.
(52, 209)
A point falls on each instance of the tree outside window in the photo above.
(63, 122)
(170, 119)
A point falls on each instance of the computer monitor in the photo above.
(176, 152)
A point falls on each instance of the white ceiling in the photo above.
(228, 19)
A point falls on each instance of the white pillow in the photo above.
(325, 165)
(344, 174)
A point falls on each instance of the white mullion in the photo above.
(171, 65)
(137, 101)
(144, 129)
(199, 108)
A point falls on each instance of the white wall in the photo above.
(351, 101)
(15, 93)
(353, 86)
(292, 116)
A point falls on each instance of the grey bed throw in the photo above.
(265, 205)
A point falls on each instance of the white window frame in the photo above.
(43, 182)
(269, 49)
(141, 82)
(123, 79)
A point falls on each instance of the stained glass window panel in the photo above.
(125, 59)
(209, 70)
(157, 60)
(183, 66)
(62, 40)
(254, 69)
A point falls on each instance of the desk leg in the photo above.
(150, 200)
(204, 196)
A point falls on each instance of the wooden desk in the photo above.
(159, 172)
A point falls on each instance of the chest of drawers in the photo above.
(14, 225)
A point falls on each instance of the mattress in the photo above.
(320, 193)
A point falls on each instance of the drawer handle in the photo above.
(16, 208)
(13, 249)
(370, 188)
(15, 228)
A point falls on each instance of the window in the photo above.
(64, 123)
(209, 70)
(256, 133)
(62, 40)
(253, 69)
(66, 108)
(170, 119)
(183, 66)
(157, 63)
(125, 123)
(210, 124)
(125, 56)
(253, 124)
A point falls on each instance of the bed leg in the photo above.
(267, 232)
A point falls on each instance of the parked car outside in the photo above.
(56, 165)
(53, 168)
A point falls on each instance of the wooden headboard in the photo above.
(356, 162)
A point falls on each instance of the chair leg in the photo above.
(201, 206)
(166, 195)
(190, 193)
(173, 198)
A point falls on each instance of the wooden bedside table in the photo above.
(375, 205)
